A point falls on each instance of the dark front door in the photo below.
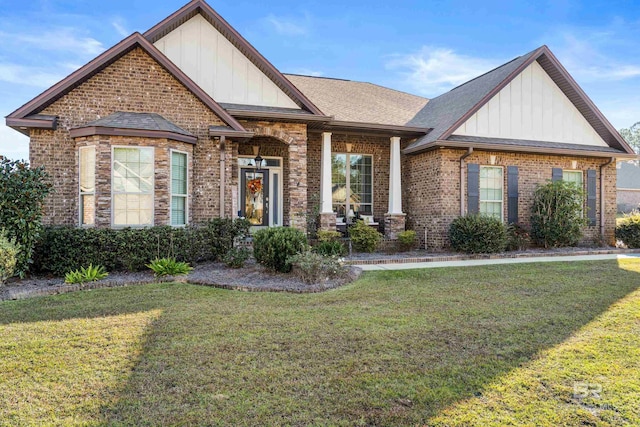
(255, 196)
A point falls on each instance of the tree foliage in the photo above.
(632, 136)
(22, 193)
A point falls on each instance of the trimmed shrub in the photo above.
(22, 193)
(329, 236)
(311, 267)
(330, 248)
(474, 234)
(272, 247)
(62, 249)
(83, 275)
(406, 240)
(557, 217)
(628, 230)
(9, 251)
(169, 267)
(363, 237)
(236, 257)
(518, 238)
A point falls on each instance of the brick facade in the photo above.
(431, 184)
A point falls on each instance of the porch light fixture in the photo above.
(258, 161)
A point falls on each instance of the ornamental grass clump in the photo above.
(83, 275)
(169, 267)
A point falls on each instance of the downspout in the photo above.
(602, 196)
(222, 173)
(462, 188)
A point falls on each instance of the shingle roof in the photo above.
(629, 176)
(141, 121)
(362, 102)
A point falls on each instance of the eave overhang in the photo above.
(144, 133)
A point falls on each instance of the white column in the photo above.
(325, 176)
(395, 178)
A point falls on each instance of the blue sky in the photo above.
(416, 46)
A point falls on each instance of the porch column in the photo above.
(327, 216)
(394, 219)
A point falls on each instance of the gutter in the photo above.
(462, 187)
(602, 194)
(223, 162)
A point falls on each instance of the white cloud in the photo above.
(13, 144)
(28, 75)
(58, 39)
(119, 27)
(434, 70)
(288, 26)
(307, 72)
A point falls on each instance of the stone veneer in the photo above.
(431, 189)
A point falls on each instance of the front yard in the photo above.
(529, 344)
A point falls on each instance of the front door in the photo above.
(254, 197)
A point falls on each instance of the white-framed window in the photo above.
(352, 183)
(132, 185)
(575, 177)
(179, 171)
(87, 185)
(491, 191)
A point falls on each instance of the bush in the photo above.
(169, 267)
(272, 247)
(61, 249)
(236, 257)
(330, 248)
(311, 267)
(89, 274)
(557, 218)
(407, 240)
(329, 236)
(9, 251)
(518, 238)
(628, 230)
(478, 234)
(22, 193)
(363, 237)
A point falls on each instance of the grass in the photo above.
(495, 345)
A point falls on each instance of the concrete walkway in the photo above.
(474, 262)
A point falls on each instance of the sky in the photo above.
(417, 46)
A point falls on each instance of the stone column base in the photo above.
(394, 224)
(328, 221)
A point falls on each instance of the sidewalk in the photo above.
(474, 262)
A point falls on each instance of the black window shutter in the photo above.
(556, 174)
(473, 188)
(591, 196)
(512, 194)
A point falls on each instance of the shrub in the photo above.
(272, 247)
(236, 257)
(311, 267)
(9, 251)
(169, 267)
(89, 274)
(518, 238)
(363, 237)
(22, 193)
(478, 234)
(329, 236)
(557, 218)
(61, 249)
(628, 230)
(330, 248)
(407, 239)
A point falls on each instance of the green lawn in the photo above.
(497, 345)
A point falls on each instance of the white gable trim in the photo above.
(532, 107)
(218, 67)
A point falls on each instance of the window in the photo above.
(132, 186)
(87, 179)
(491, 183)
(574, 177)
(352, 183)
(178, 188)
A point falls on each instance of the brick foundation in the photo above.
(394, 224)
(328, 221)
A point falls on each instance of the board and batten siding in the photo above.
(218, 67)
(532, 107)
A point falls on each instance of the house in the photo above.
(188, 121)
(628, 186)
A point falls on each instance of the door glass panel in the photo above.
(254, 198)
(275, 199)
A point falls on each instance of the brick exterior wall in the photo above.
(431, 184)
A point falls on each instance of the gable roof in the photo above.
(352, 101)
(195, 7)
(102, 61)
(449, 111)
(628, 176)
